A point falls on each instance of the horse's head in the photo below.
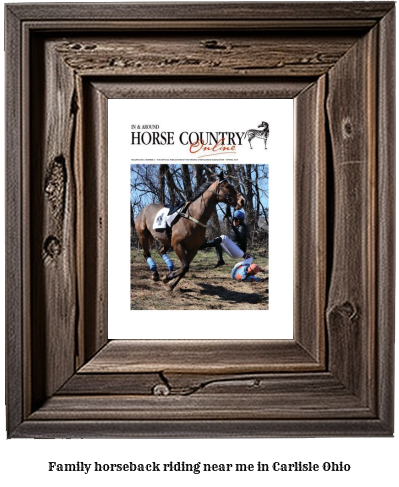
(227, 193)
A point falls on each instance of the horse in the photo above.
(188, 231)
(260, 134)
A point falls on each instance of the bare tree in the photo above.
(214, 223)
(167, 183)
(161, 182)
(172, 188)
(199, 175)
(188, 191)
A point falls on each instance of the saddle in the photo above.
(173, 209)
(168, 216)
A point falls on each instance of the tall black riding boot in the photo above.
(219, 253)
(212, 243)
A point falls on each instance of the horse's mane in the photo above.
(201, 190)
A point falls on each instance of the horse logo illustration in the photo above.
(260, 134)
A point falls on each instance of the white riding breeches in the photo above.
(231, 249)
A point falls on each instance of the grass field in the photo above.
(203, 287)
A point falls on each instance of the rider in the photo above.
(238, 235)
(246, 270)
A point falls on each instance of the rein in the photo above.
(227, 198)
(188, 217)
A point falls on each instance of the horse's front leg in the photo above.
(182, 256)
(189, 257)
(163, 253)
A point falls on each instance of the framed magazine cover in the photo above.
(188, 143)
(65, 378)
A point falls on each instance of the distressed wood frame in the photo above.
(64, 378)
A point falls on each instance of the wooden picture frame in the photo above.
(64, 377)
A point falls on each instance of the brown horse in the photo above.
(188, 233)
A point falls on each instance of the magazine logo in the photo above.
(202, 144)
(260, 134)
(203, 150)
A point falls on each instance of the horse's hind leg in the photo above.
(145, 240)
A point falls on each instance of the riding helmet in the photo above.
(239, 214)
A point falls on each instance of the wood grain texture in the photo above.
(113, 384)
(95, 222)
(205, 407)
(200, 356)
(385, 245)
(310, 200)
(196, 87)
(310, 203)
(255, 397)
(291, 428)
(281, 12)
(53, 209)
(242, 55)
(335, 377)
(15, 236)
(185, 384)
(351, 306)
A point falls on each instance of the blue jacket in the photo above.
(240, 273)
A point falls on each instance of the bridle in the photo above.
(229, 199)
(226, 197)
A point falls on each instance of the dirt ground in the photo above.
(203, 287)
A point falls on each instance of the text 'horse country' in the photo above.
(260, 134)
(188, 233)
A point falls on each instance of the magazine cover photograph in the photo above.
(203, 231)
